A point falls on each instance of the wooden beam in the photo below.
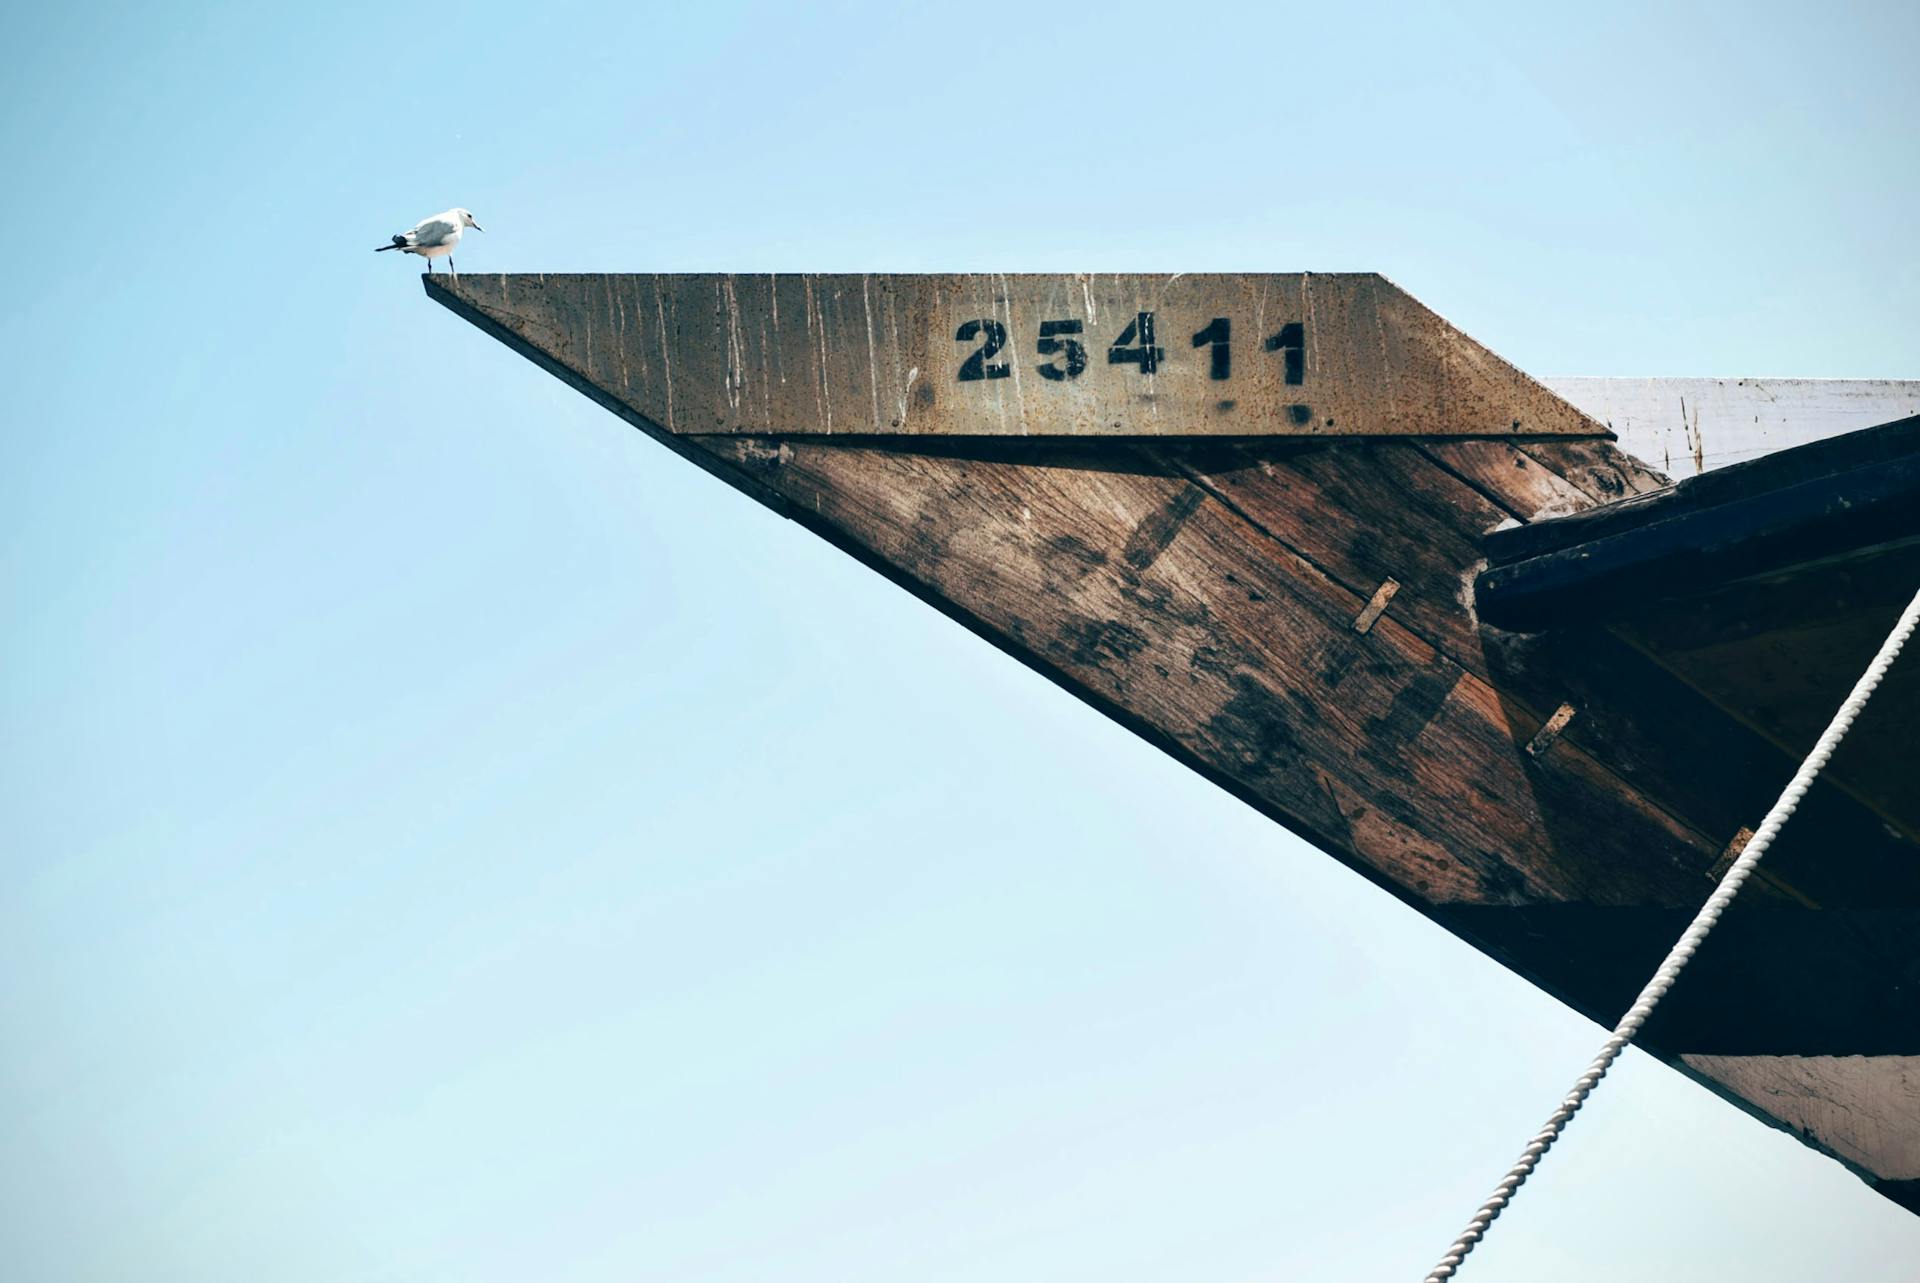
(1304, 354)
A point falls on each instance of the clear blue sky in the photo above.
(444, 836)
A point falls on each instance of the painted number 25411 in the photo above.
(1063, 344)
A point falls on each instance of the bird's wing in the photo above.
(434, 231)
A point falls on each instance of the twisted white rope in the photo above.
(1682, 951)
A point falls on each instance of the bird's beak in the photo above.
(478, 228)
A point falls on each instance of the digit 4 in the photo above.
(1144, 354)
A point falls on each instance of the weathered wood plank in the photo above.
(1600, 470)
(1520, 484)
(1193, 354)
(1413, 522)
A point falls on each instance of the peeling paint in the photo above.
(906, 393)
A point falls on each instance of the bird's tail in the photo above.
(399, 242)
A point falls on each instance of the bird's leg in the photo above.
(429, 265)
(451, 267)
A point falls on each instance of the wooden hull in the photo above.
(1294, 619)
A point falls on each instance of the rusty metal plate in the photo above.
(1303, 354)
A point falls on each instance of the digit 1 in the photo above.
(1292, 340)
(1218, 332)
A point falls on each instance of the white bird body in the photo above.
(435, 237)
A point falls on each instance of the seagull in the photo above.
(435, 237)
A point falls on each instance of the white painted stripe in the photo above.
(1687, 426)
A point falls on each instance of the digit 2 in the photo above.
(975, 366)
